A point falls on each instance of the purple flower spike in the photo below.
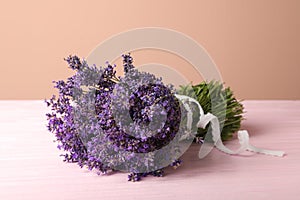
(85, 138)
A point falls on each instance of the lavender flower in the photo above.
(90, 124)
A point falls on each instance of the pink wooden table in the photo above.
(30, 167)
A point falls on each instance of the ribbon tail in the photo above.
(214, 135)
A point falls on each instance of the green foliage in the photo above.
(225, 106)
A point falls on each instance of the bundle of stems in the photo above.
(220, 101)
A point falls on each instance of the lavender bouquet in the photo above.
(130, 122)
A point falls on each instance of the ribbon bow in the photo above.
(214, 133)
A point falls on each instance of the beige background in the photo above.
(255, 44)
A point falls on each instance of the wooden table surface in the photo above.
(30, 166)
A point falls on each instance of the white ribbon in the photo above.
(214, 132)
